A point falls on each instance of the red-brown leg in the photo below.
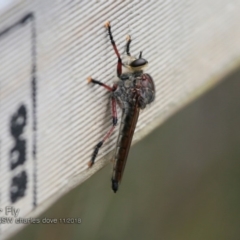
(114, 123)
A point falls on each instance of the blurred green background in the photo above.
(181, 182)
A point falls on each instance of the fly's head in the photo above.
(136, 64)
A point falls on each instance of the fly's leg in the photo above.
(119, 65)
(114, 123)
(91, 80)
(129, 40)
(114, 120)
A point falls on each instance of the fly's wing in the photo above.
(148, 89)
(127, 127)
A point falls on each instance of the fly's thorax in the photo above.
(125, 92)
(128, 80)
(126, 83)
(136, 86)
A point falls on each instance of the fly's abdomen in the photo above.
(127, 127)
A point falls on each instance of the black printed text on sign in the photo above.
(17, 114)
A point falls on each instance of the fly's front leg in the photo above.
(119, 65)
(114, 123)
(129, 40)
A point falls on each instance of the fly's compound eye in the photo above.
(139, 63)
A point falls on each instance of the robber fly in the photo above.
(132, 92)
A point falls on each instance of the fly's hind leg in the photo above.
(114, 123)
